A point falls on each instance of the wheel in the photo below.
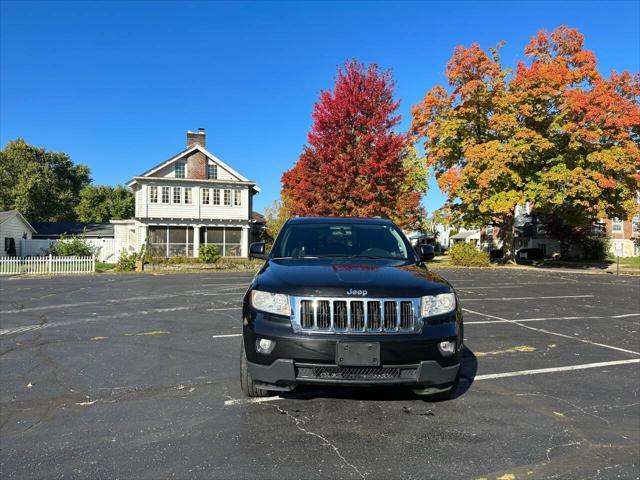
(246, 382)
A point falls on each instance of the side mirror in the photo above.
(427, 252)
(257, 250)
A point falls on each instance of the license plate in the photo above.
(358, 354)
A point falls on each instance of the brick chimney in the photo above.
(197, 162)
(196, 137)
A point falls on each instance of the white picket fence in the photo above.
(105, 248)
(48, 264)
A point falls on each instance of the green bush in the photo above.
(126, 262)
(597, 247)
(209, 253)
(71, 246)
(466, 255)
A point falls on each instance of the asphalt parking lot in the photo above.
(109, 376)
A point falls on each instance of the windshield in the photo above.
(300, 240)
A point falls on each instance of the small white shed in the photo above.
(13, 227)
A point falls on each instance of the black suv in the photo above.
(347, 301)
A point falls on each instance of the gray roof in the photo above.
(7, 214)
(55, 229)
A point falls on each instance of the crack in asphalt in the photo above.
(326, 442)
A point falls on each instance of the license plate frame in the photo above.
(358, 354)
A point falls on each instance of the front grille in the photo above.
(346, 315)
(355, 373)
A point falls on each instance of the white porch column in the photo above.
(196, 240)
(141, 237)
(244, 249)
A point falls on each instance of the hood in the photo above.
(334, 277)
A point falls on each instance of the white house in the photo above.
(193, 198)
(13, 228)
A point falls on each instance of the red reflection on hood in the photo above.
(345, 266)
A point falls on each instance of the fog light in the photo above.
(447, 348)
(265, 346)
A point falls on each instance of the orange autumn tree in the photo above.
(555, 133)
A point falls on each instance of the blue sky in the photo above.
(117, 84)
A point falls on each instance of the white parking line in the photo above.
(542, 330)
(569, 368)
(540, 319)
(227, 336)
(246, 401)
(523, 298)
(490, 376)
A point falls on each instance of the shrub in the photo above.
(466, 255)
(126, 262)
(71, 246)
(209, 253)
(597, 247)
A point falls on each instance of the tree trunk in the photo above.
(508, 238)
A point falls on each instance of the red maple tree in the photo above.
(355, 164)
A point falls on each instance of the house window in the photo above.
(237, 198)
(177, 193)
(227, 197)
(165, 194)
(635, 223)
(187, 195)
(227, 239)
(212, 171)
(179, 170)
(216, 196)
(153, 194)
(170, 241)
(616, 225)
(206, 196)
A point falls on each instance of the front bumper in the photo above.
(302, 359)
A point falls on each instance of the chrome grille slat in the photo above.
(390, 316)
(356, 315)
(340, 318)
(323, 315)
(406, 315)
(374, 319)
(306, 319)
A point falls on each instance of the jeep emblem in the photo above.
(362, 293)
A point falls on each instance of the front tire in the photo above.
(246, 382)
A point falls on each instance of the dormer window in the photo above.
(179, 170)
(212, 171)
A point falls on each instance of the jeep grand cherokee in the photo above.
(347, 301)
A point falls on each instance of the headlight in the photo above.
(277, 303)
(438, 304)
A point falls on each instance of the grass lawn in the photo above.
(104, 267)
(633, 262)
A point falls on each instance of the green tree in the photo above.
(41, 184)
(275, 216)
(100, 203)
